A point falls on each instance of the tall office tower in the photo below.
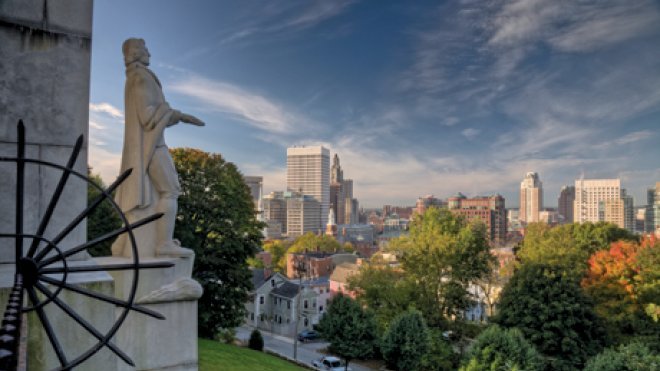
(531, 198)
(303, 214)
(256, 185)
(274, 205)
(599, 200)
(565, 202)
(628, 211)
(336, 173)
(337, 203)
(652, 219)
(308, 172)
(490, 210)
(352, 211)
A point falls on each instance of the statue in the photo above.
(154, 179)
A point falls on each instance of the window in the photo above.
(261, 317)
(305, 305)
(261, 299)
(251, 316)
(320, 308)
(272, 283)
(279, 320)
(288, 304)
(306, 322)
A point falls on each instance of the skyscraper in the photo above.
(256, 184)
(602, 200)
(531, 198)
(308, 172)
(652, 220)
(337, 190)
(565, 202)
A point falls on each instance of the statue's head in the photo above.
(135, 50)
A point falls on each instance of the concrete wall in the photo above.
(45, 48)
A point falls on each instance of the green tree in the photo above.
(440, 355)
(350, 330)
(630, 357)
(442, 255)
(384, 290)
(277, 250)
(406, 341)
(502, 349)
(102, 220)
(216, 219)
(547, 304)
(312, 242)
(569, 245)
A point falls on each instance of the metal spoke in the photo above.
(56, 196)
(91, 207)
(86, 325)
(108, 267)
(108, 299)
(100, 239)
(20, 180)
(47, 326)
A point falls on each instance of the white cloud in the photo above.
(470, 133)
(254, 109)
(104, 162)
(106, 108)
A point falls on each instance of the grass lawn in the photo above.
(214, 355)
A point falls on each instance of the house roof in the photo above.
(286, 289)
(343, 271)
(258, 277)
(322, 280)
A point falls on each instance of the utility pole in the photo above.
(300, 270)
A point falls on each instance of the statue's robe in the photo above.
(147, 114)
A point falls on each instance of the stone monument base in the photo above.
(154, 344)
(74, 339)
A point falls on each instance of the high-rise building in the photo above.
(274, 205)
(531, 198)
(256, 185)
(603, 200)
(652, 220)
(337, 196)
(490, 210)
(308, 172)
(303, 214)
(565, 202)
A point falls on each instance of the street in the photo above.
(307, 352)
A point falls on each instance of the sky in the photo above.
(416, 98)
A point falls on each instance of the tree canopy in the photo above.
(216, 219)
(548, 306)
(350, 330)
(569, 245)
(502, 349)
(102, 220)
(443, 254)
(629, 357)
(406, 342)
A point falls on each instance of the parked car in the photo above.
(308, 335)
(329, 363)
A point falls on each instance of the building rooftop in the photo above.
(343, 271)
(287, 290)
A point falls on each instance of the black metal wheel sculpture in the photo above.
(42, 271)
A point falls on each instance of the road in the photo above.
(307, 352)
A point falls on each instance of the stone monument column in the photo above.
(45, 49)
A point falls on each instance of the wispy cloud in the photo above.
(470, 133)
(280, 18)
(106, 108)
(254, 109)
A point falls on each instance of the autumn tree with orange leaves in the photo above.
(624, 283)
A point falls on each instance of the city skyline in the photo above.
(416, 99)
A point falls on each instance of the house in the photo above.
(274, 303)
(339, 278)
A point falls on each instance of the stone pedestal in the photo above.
(74, 339)
(153, 344)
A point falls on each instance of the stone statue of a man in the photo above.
(154, 177)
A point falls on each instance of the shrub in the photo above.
(256, 341)
(406, 341)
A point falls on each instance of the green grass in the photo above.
(214, 355)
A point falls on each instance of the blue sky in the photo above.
(417, 98)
